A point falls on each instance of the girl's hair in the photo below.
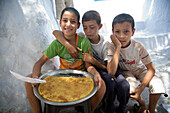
(123, 18)
(92, 15)
(71, 9)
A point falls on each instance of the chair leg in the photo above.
(51, 109)
(56, 109)
(87, 107)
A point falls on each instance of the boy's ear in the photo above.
(100, 26)
(133, 31)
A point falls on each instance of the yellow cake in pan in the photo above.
(65, 89)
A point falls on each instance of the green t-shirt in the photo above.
(57, 49)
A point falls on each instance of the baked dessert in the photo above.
(65, 89)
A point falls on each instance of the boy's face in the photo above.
(69, 24)
(91, 29)
(123, 31)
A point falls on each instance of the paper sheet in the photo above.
(27, 79)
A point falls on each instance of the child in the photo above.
(116, 84)
(69, 23)
(135, 63)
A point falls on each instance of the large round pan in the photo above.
(65, 72)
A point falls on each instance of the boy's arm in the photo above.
(88, 57)
(71, 49)
(96, 63)
(113, 64)
(150, 73)
(91, 69)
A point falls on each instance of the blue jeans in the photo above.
(115, 86)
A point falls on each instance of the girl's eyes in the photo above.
(64, 20)
(72, 21)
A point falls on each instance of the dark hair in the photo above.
(91, 15)
(123, 18)
(71, 9)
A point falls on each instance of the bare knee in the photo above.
(96, 99)
(28, 85)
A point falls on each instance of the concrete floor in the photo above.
(160, 109)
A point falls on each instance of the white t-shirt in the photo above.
(132, 58)
(99, 50)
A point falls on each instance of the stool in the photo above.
(56, 109)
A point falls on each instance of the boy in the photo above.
(135, 63)
(69, 23)
(115, 82)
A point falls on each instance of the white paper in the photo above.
(27, 79)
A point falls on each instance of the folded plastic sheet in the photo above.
(27, 79)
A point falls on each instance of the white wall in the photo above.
(25, 32)
(157, 17)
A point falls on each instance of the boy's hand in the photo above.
(136, 94)
(73, 51)
(98, 79)
(87, 57)
(70, 48)
(115, 41)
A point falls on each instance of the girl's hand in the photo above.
(34, 76)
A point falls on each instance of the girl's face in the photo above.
(123, 32)
(69, 24)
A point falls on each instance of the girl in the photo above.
(69, 23)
